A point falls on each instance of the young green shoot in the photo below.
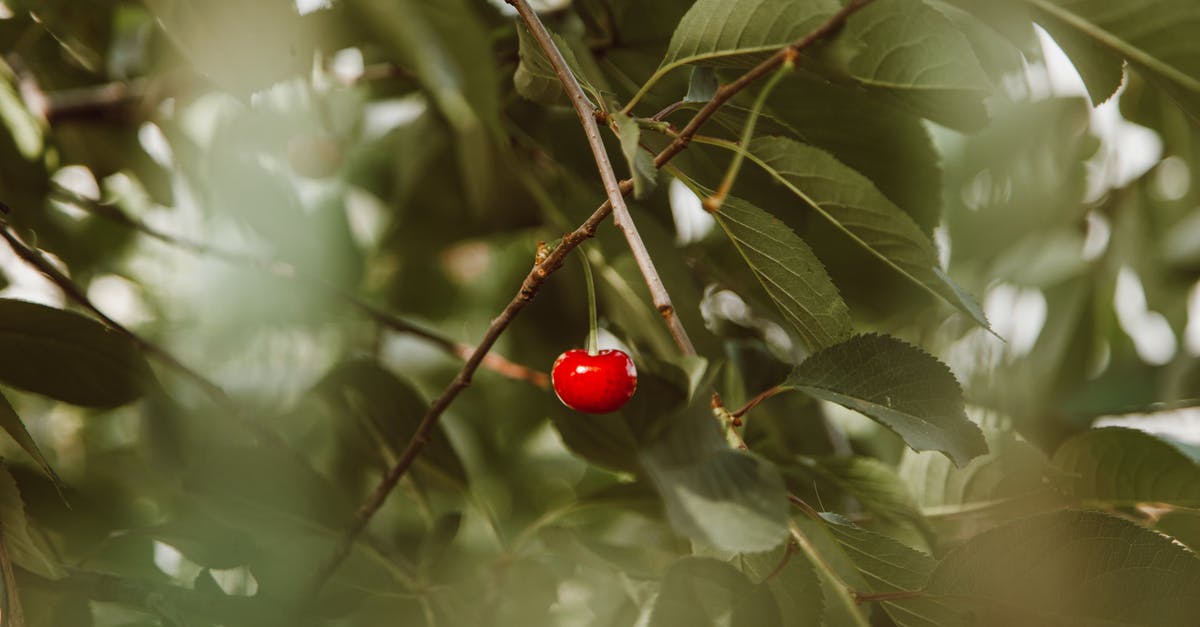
(713, 203)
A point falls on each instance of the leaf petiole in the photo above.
(713, 202)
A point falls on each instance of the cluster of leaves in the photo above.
(318, 208)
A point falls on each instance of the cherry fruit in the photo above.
(594, 384)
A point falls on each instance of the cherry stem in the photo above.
(592, 340)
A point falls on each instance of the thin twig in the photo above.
(668, 110)
(286, 271)
(789, 550)
(713, 203)
(529, 288)
(73, 292)
(843, 589)
(621, 216)
(803, 505)
(762, 396)
(727, 91)
(858, 596)
(729, 424)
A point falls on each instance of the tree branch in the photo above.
(73, 292)
(529, 288)
(727, 91)
(621, 216)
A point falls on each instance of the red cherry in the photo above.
(594, 384)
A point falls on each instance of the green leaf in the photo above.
(58, 607)
(242, 47)
(447, 46)
(738, 33)
(1101, 70)
(888, 145)
(898, 385)
(913, 56)
(1183, 526)
(1010, 20)
(875, 485)
(24, 548)
(793, 580)
(1001, 36)
(274, 498)
(888, 566)
(605, 440)
(12, 424)
(22, 127)
(700, 591)
(702, 86)
(1069, 567)
(854, 206)
(645, 552)
(728, 499)
(68, 356)
(535, 78)
(439, 539)
(839, 574)
(995, 199)
(903, 48)
(625, 299)
(613, 440)
(1125, 467)
(203, 540)
(641, 164)
(906, 44)
(376, 402)
(1165, 50)
(1011, 468)
(789, 272)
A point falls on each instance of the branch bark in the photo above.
(529, 288)
(727, 91)
(533, 282)
(621, 216)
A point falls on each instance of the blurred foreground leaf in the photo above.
(1069, 567)
(68, 356)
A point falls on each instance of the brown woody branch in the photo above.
(533, 282)
(529, 288)
(621, 217)
(727, 91)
